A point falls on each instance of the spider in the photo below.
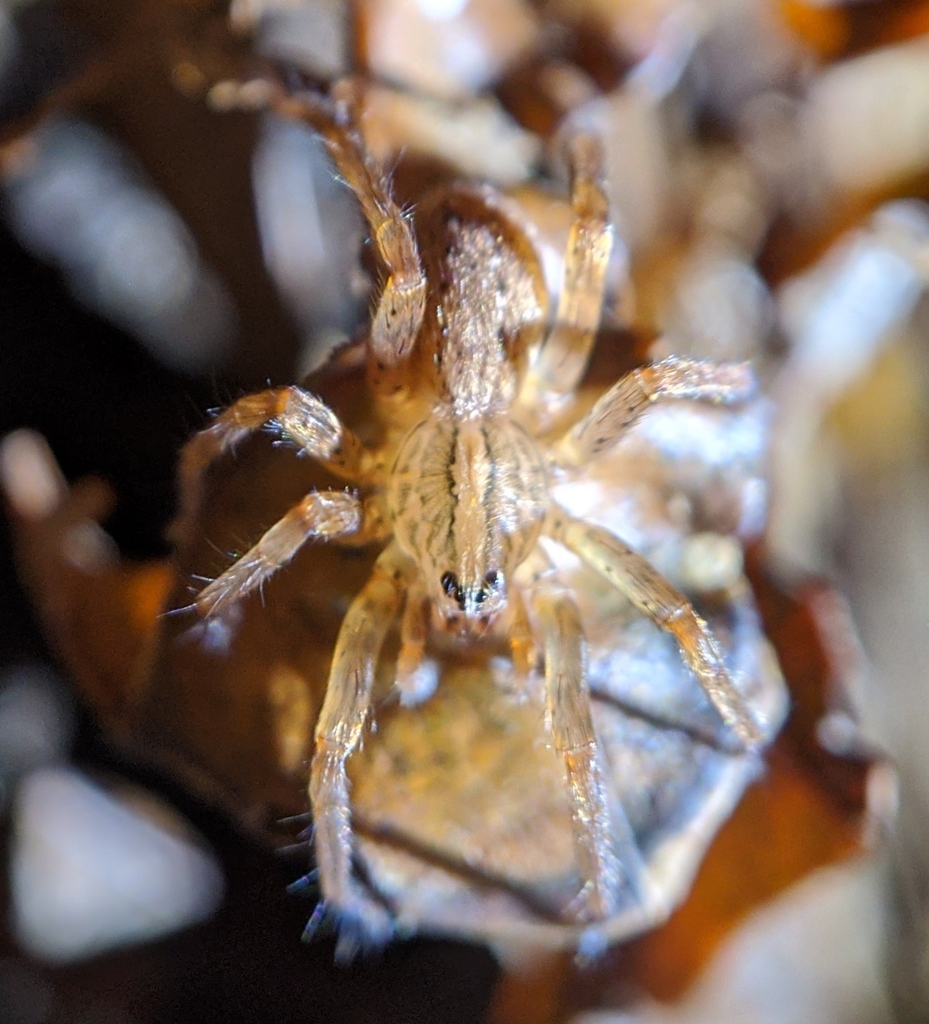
(480, 419)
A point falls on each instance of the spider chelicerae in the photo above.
(477, 400)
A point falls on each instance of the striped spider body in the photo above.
(464, 372)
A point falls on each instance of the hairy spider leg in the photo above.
(563, 356)
(573, 731)
(402, 302)
(654, 596)
(633, 394)
(322, 515)
(338, 731)
(296, 415)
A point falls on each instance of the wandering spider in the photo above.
(480, 419)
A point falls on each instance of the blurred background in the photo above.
(768, 168)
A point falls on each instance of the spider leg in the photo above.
(564, 355)
(631, 396)
(297, 415)
(338, 732)
(573, 731)
(652, 595)
(322, 515)
(402, 303)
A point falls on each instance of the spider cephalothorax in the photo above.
(458, 492)
(467, 500)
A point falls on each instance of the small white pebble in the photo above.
(91, 871)
(29, 475)
(710, 562)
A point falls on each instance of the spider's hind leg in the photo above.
(564, 355)
(402, 302)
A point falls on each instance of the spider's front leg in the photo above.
(631, 396)
(338, 732)
(568, 696)
(296, 414)
(654, 596)
(322, 515)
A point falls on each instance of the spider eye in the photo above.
(481, 596)
(492, 579)
(449, 582)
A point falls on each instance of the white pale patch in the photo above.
(417, 687)
(812, 956)
(442, 10)
(92, 871)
